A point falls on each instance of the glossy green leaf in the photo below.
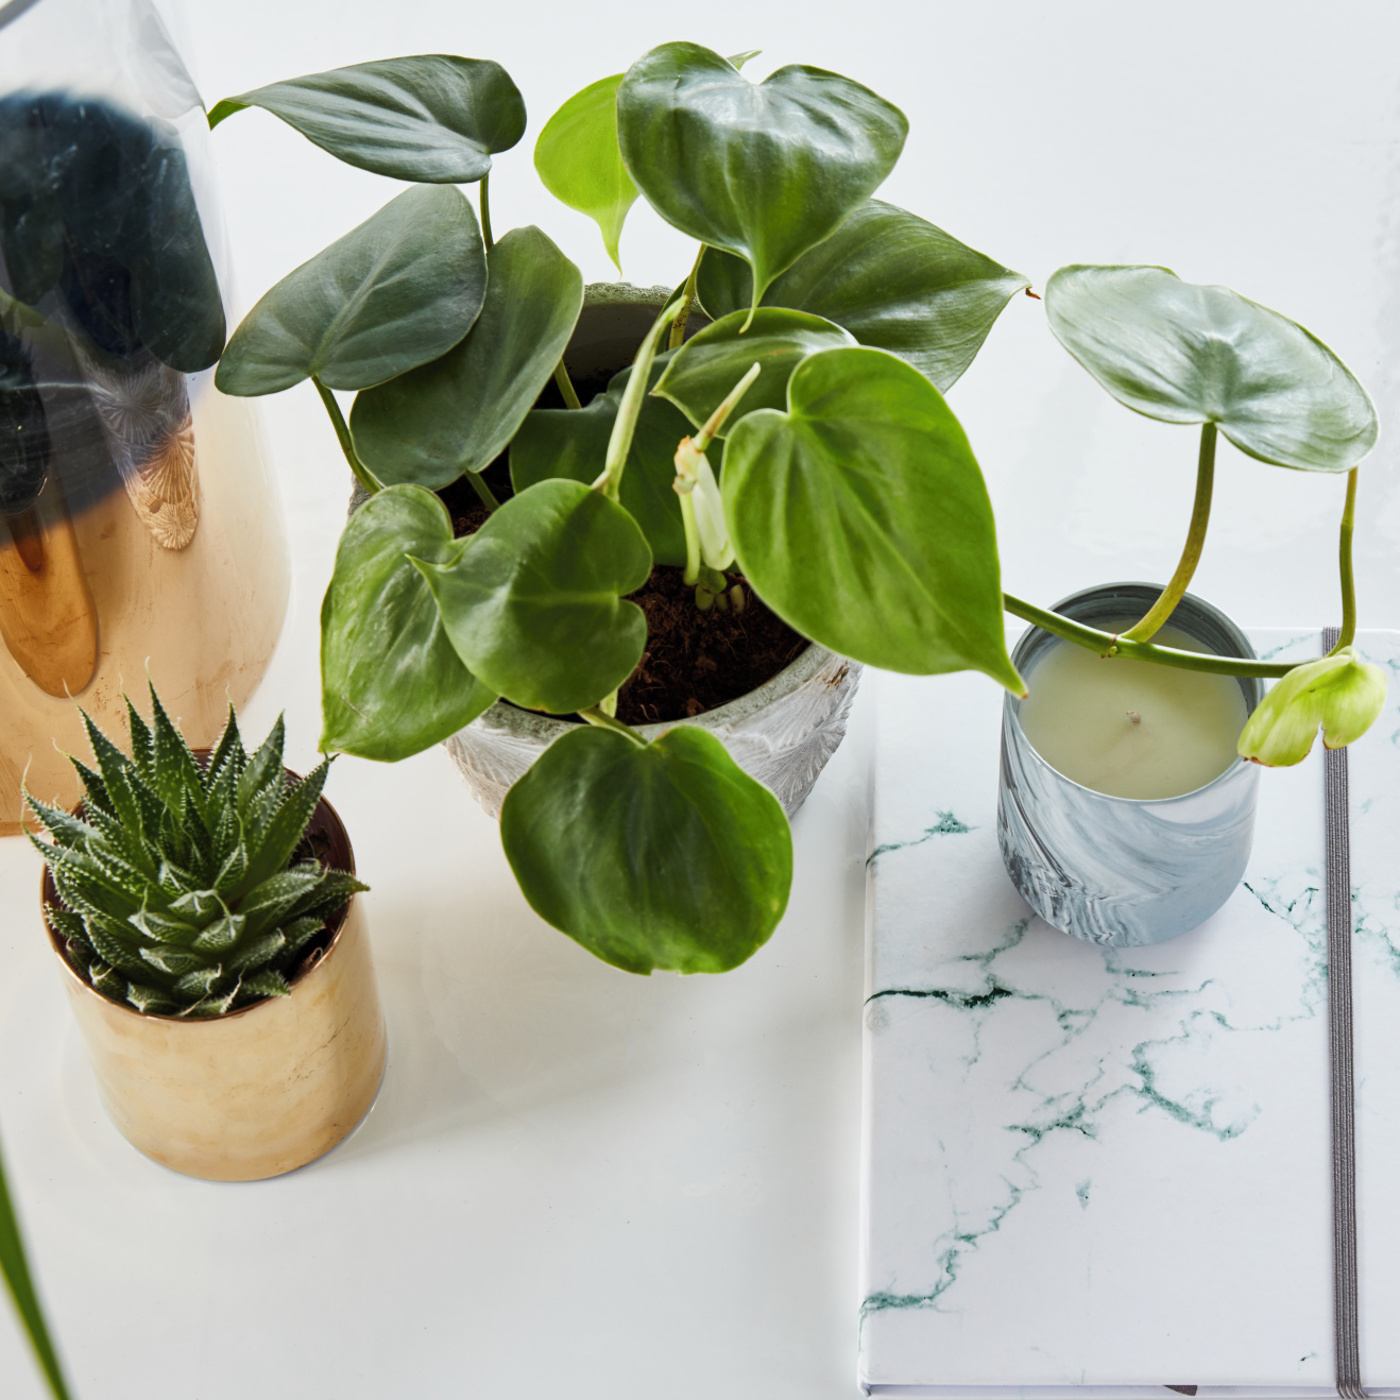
(1187, 354)
(578, 160)
(666, 855)
(893, 280)
(15, 1268)
(573, 443)
(714, 359)
(433, 118)
(392, 684)
(458, 413)
(393, 293)
(762, 170)
(860, 517)
(533, 601)
(1341, 694)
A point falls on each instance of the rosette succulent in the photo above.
(188, 889)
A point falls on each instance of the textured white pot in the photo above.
(782, 733)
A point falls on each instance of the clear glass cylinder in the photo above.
(140, 528)
(1113, 870)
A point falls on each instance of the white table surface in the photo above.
(579, 1182)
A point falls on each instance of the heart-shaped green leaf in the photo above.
(763, 170)
(1187, 354)
(573, 443)
(578, 160)
(391, 682)
(861, 519)
(715, 359)
(458, 413)
(665, 855)
(393, 293)
(890, 278)
(433, 118)
(534, 598)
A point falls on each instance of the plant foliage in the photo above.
(187, 890)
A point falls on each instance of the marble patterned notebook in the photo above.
(1097, 1171)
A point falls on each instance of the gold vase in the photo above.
(258, 1092)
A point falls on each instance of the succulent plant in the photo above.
(188, 890)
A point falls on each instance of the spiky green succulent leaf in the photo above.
(186, 889)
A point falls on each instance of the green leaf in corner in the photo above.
(860, 517)
(573, 443)
(393, 293)
(714, 359)
(892, 279)
(431, 118)
(15, 1268)
(534, 602)
(764, 170)
(1187, 354)
(391, 682)
(664, 855)
(459, 412)
(578, 160)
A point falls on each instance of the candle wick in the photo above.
(1134, 717)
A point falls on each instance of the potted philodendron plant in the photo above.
(205, 913)
(848, 511)
(847, 503)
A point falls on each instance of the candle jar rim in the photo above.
(1197, 608)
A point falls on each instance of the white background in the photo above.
(575, 1181)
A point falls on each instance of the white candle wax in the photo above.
(1132, 728)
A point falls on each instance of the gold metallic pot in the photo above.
(258, 1092)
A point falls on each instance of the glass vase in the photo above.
(140, 529)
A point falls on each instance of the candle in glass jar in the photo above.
(1132, 728)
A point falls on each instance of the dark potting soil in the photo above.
(694, 661)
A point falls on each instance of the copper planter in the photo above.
(258, 1092)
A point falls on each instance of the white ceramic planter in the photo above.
(782, 733)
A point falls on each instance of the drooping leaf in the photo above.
(1342, 694)
(892, 279)
(459, 412)
(1188, 354)
(534, 601)
(665, 855)
(714, 359)
(764, 170)
(391, 682)
(578, 159)
(15, 1266)
(432, 118)
(395, 292)
(573, 443)
(860, 517)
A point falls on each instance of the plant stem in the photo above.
(1107, 645)
(678, 326)
(363, 475)
(609, 481)
(484, 196)
(488, 497)
(1348, 582)
(692, 539)
(566, 386)
(595, 715)
(702, 440)
(15, 1268)
(1151, 623)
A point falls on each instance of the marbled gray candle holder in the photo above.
(1114, 870)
